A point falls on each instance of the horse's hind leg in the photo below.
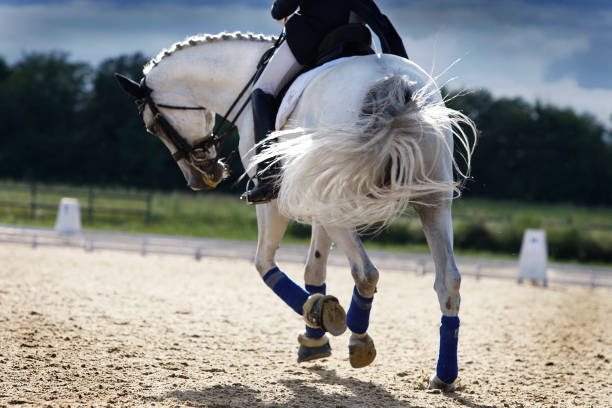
(314, 344)
(318, 310)
(361, 346)
(438, 228)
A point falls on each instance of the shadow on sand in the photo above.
(305, 393)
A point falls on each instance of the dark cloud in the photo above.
(531, 48)
(391, 3)
(132, 3)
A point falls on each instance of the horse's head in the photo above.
(185, 131)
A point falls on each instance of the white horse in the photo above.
(368, 137)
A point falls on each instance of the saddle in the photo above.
(345, 41)
(348, 40)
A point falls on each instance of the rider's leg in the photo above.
(280, 69)
(264, 117)
(437, 225)
(317, 310)
(361, 347)
(313, 342)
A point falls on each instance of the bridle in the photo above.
(204, 155)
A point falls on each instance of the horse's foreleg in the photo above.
(314, 344)
(361, 347)
(318, 310)
(437, 225)
(271, 228)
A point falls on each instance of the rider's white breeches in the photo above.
(280, 70)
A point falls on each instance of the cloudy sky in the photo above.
(557, 51)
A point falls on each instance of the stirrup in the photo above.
(261, 194)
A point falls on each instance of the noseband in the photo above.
(205, 153)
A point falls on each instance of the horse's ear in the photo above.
(131, 87)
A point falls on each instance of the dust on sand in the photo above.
(120, 329)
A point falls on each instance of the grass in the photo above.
(482, 227)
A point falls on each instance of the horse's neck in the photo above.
(208, 74)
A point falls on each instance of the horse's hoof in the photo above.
(438, 384)
(361, 351)
(324, 312)
(313, 349)
(313, 353)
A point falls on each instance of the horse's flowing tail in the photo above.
(367, 173)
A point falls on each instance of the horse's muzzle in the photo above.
(210, 175)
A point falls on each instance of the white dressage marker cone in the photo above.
(534, 256)
(68, 220)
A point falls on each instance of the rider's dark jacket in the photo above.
(316, 18)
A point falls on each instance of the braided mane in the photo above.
(203, 39)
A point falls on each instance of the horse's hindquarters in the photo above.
(358, 155)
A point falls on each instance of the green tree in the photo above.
(40, 103)
(5, 71)
(64, 121)
(119, 150)
(536, 152)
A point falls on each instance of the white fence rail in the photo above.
(594, 276)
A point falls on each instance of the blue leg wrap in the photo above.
(447, 368)
(311, 332)
(286, 289)
(358, 316)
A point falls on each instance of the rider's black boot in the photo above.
(264, 117)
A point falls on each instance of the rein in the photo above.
(201, 156)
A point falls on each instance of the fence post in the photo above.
(149, 207)
(32, 200)
(420, 267)
(143, 249)
(90, 204)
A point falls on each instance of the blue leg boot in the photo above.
(447, 368)
(361, 346)
(318, 310)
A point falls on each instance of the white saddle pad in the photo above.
(296, 89)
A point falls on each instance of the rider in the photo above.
(305, 29)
